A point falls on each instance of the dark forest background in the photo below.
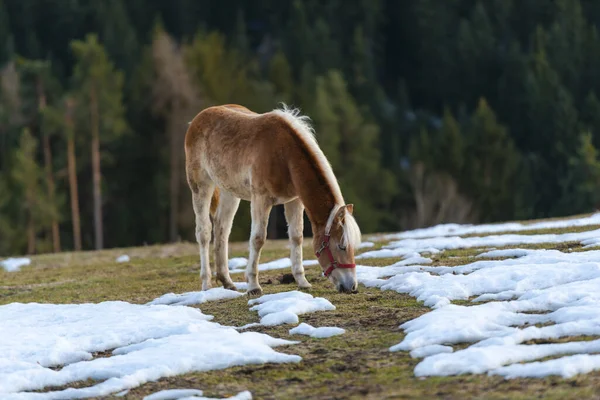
(430, 111)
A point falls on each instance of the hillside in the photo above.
(453, 311)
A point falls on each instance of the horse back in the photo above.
(244, 152)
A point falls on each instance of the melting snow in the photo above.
(239, 264)
(185, 394)
(462, 230)
(14, 264)
(321, 332)
(123, 258)
(455, 242)
(149, 342)
(366, 244)
(284, 308)
(533, 294)
(189, 298)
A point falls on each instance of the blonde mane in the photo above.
(350, 231)
(302, 127)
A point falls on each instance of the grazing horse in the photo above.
(233, 153)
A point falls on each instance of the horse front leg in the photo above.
(260, 208)
(294, 215)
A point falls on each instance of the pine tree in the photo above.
(117, 34)
(280, 74)
(350, 142)
(451, 154)
(28, 176)
(581, 184)
(97, 88)
(477, 54)
(5, 35)
(58, 120)
(7, 231)
(493, 164)
(590, 117)
(177, 101)
(220, 71)
(566, 43)
(38, 86)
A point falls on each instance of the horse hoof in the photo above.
(255, 292)
(305, 286)
(229, 285)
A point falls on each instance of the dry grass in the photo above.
(356, 365)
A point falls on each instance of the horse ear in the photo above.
(350, 208)
(341, 213)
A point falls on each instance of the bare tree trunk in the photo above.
(71, 161)
(48, 168)
(174, 184)
(30, 236)
(95, 122)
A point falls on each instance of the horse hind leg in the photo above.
(294, 214)
(202, 192)
(226, 209)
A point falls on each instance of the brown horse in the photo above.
(233, 153)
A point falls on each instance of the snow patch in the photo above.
(284, 308)
(189, 298)
(123, 258)
(185, 394)
(320, 332)
(149, 342)
(462, 230)
(14, 264)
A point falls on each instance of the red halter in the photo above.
(333, 264)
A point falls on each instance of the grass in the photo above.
(356, 365)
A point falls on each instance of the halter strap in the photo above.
(332, 263)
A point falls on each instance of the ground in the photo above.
(354, 365)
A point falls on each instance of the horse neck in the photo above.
(317, 195)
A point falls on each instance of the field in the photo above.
(357, 364)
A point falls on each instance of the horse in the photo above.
(269, 159)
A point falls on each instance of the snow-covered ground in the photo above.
(320, 332)
(532, 294)
(284, 308)
(192, 394)
(238, 264)
(462, 230)
(14, 264)
(149, 342)
(511, 299)
(160, 339)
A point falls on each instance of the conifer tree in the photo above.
(350, 142)
(58, 120)
(97, 88)
(176, 100)
(28, 177)
(492, 165)
(38, 86)
(5, 35)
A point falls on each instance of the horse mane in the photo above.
(302, 127)
(350, 231)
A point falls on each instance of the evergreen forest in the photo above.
(430, 111)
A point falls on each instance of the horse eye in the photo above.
(341, 248)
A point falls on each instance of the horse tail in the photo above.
(214, 202)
